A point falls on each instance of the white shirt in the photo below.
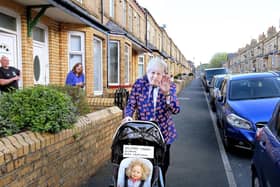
(155, 94)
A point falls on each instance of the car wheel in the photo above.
(213, 108)
(217, 120)
(255, 180)
(226, 142)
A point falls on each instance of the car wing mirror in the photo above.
(260, 125)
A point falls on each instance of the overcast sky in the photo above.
(200, 28)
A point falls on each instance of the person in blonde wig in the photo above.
(154, 98)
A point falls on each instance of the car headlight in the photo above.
(238, 122)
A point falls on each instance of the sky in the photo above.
(201, 28)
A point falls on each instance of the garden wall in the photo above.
(64, 159)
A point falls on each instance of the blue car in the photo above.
(265, 166)
(243, 101)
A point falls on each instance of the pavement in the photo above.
(195, 156)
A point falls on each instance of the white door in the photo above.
(40, 56)
(8, 48)
(97, 60)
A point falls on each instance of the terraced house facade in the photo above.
(258, 56)
(114, 39)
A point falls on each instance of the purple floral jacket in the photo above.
(139, 100)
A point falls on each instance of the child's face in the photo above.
(136, 172)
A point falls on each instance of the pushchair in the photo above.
(141, 140)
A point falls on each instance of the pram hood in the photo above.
(144, 130)
(143, 133)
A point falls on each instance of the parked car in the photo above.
(213, 89)
(209, 74)
(244, 101)
(277, 72)
(265, 165)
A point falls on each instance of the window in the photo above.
(278, 130)
(148, 30)
(124, 13)
(76, 49)
(140, 66)
(8, 22)
(152, 36)
(114, 63)
(130, 22)
(159, 42)
(163, 43)
(275, 127)
(112, 12)
(97, 66)
(38, 34)
(138, 24)
(126, 64)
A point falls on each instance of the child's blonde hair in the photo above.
(137, 162)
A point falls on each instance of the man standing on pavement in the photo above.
(9, 76)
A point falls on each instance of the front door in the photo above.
(97, 60)
(40, 56)
(8, 48)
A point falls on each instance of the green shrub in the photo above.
(40, 109)
(178, 76)
(78, 97)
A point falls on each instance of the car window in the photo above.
(218, 82)
(211, 72)
(256, 88)
(278, 125)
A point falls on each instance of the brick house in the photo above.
(114, 39)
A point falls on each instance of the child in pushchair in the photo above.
(138, 155)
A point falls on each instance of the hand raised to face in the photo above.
(165, 84)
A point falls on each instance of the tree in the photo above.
(217, 60)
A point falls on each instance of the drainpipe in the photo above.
(108, 58)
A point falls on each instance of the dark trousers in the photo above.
(166, 161)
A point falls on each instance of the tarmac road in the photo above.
(195, 156)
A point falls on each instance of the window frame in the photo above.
(124, 16)
(130, 18)
(82, 52)
(141, 63)
(148, 31)
(118, 60)
(99, 92)
(112, 8)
